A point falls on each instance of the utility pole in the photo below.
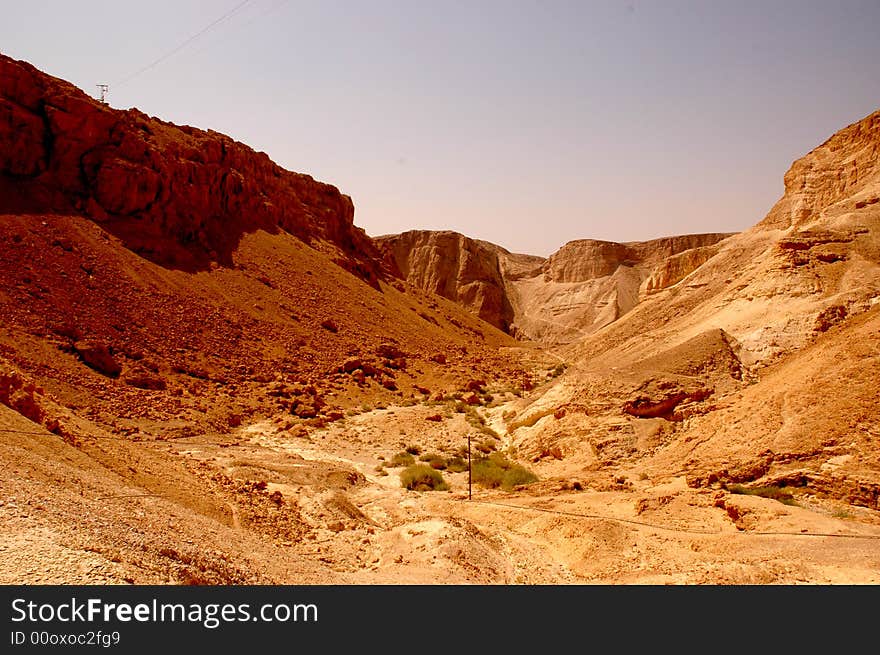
(103, 89)
(470, 476)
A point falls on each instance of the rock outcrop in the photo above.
(844, 169)
(175, 194)
(584, 286)
(453, 266)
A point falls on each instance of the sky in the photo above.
(525, 123)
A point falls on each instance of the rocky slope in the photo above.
(787, 394)
(162, 283)
(584, 286)
(154, 184)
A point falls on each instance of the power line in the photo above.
(269, 10)
(229, 14)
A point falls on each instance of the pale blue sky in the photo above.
(525, 123)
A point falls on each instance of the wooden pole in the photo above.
(470, 477)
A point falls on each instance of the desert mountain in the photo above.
(163, 282)
(209, 374)
(154, 253)
(578, 290)
(761, 366)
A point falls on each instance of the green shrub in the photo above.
(402, 459)
(781, 494)
(434, 460)
(457, 464)
(517, 475)
(420, 477)
(497, 471)
(487, 473)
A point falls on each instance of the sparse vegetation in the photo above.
(402, 459)
(434, 460)
(497, 471)
(456, 465)
(557, 370)
(782, 494)
(485, 447)
(413, 450)
(421, 477)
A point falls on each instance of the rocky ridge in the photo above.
(176, 194)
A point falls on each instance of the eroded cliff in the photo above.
(584, 286)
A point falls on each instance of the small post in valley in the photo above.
(470, 477)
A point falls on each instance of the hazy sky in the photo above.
(526, 123)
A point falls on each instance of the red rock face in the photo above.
(177, 195)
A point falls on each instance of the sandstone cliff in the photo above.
(453, 266)
(176, 194)
(584, 286)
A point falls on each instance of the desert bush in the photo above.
(497, 471)
(434, 460)
(421, 477)
(402, 459)
(485, 447)
(413, 450)
(517, 475)
(487, 473)
(781, 494)
(456, 464)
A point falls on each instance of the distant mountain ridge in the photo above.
(579, 289)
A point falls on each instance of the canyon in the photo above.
(210, 375)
